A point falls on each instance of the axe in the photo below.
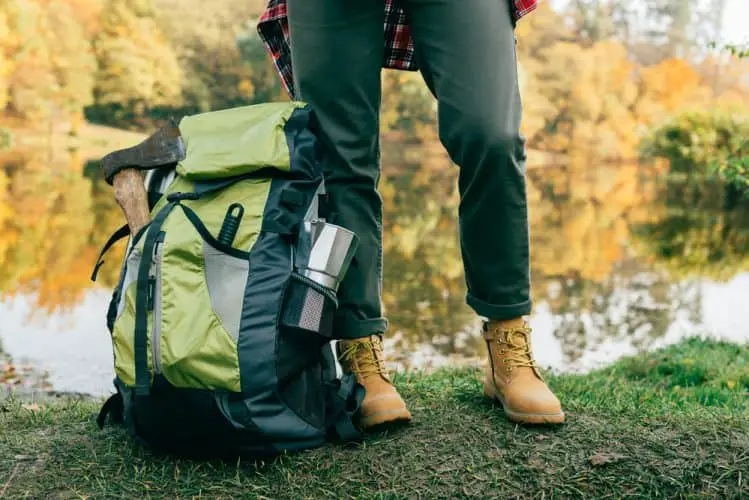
(123, 170)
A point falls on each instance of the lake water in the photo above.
(624, 258)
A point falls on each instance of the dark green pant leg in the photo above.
(337, 53)
(466, 50)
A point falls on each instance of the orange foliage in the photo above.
(669, 87)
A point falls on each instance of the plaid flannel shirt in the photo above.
(273, 28)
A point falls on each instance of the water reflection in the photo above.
(625, 257)
(53, 220)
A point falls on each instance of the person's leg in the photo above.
(337, 53)
(466, 51)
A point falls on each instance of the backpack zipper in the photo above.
(155, 303)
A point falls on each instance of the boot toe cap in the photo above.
(383, 407)
(537, 405)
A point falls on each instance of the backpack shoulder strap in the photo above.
(118, 407)
(121, 233)
(113, 406)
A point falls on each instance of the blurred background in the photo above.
(636, 116)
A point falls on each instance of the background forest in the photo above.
(609, 87)
(595, 77)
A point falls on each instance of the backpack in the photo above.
(221, 321)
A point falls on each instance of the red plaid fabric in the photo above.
(273, 29)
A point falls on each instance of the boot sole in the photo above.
(385, 418)
(524, 418)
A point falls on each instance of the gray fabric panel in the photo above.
(226, 277)
(131, 276)
(157, 310)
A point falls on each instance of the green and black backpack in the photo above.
(221, 320)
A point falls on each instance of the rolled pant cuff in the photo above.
(346, 327)
(499, 311)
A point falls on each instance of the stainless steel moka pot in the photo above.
(324, 252)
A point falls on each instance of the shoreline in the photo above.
(669, 423)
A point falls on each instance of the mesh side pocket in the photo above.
(308, 306)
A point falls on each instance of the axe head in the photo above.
(164, 148)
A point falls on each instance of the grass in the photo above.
(674, 423)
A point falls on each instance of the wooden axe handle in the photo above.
(131, 196)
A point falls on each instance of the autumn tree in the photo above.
(263, 77)
(8, 43)
(583, 114)
(667, 88)
(137, 67)
(73, 60)
(88, 14)
(652, 30)
(47, 60)
(30, 82)
(206, 42)
(594, 19)
(671, 21)
(53, 222)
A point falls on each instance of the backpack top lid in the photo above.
(238, 141)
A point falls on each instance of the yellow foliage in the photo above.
(669, 87)
(46, 64)
(589, 106)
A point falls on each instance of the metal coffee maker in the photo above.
(324, 252)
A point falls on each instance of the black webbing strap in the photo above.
(142, 293)
(208, 237)
(292, 197)
(121, 233)
(346, 402)
(285, 224)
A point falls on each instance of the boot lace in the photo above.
(369, 362)
(516, 348)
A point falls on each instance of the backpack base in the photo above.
(203, 424)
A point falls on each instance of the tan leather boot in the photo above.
(513, 378)
(382, 404)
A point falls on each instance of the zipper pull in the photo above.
(158, 245)
(151, 292)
